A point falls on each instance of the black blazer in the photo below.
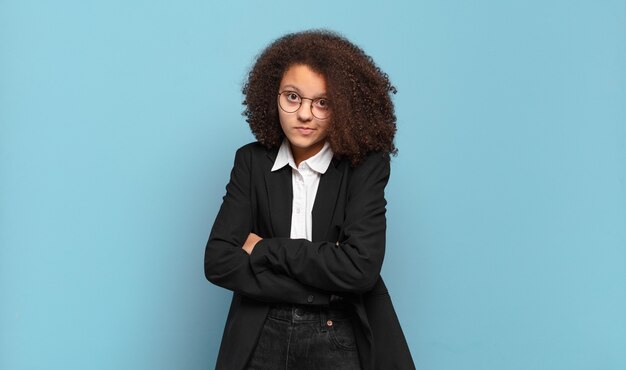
(343, 260)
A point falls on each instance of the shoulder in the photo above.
(376, 158)
(374, 162)
(373, 170)
(253, 148)
(251, 151)
(255, 157)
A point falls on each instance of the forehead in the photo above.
(304, 80)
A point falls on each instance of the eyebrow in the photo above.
(295, 88)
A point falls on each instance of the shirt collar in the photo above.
(318, 163)
(284, 157)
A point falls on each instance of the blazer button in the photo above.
(310, 299)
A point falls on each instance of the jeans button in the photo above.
(298, 312)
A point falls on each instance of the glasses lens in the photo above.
(289, 101)
(320, 108)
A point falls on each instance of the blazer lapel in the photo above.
(325, 201)
(280, 197)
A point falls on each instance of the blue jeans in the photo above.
(296, 337)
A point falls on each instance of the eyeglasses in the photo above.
(290, 102)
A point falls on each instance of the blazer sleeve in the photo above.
(227, 265)
(352, 264)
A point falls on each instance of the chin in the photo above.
(304, 143)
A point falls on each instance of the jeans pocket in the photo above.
(342, 335)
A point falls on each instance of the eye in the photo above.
(321, 103)
(292, 96)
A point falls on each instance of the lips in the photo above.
(305, 130)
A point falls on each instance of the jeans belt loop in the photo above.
(323, 319)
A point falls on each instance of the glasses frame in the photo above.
(313, 100)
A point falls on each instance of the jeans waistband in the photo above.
(302, 313)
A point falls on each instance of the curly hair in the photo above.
(363, 118)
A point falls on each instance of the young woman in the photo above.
(300, 235)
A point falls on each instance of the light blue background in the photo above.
(507, 203)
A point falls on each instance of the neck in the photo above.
(302, 154)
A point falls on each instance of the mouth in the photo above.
(305, 130)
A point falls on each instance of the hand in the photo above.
(248, 246)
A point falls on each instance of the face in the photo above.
(305, 132)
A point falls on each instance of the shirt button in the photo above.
(310, 299)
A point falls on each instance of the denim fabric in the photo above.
(296, 337)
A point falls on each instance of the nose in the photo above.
(304, 112)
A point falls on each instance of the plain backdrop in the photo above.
(119, 121)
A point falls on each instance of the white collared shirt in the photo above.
(304, 179)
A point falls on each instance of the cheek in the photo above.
(325, 128)
(282, 120)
